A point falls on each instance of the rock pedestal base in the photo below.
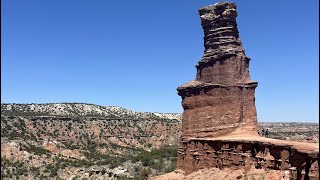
(301, 160)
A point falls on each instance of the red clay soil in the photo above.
(226, 174)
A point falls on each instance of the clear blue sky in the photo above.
(135, 54)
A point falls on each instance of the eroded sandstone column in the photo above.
(220, 101)
(219, 122)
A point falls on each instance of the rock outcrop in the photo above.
(220, 100)
(300, 160)
(219, 122)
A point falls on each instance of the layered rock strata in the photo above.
(219, 122)
(300, 160)
(220, 100)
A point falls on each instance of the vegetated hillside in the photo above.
(80, 110)
(85, 141)
(292, 131)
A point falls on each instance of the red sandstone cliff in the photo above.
(221, 99)
(219, 122)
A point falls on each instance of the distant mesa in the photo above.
(80, 110)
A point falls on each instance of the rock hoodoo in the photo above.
(221, 99)
(219, 122)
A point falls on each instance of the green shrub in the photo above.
(36, 150)
(144, 174)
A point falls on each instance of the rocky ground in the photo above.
(78, 141)
(85, 141)
(227, 174)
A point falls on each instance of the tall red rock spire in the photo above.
(219, 122)
(220, 101)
